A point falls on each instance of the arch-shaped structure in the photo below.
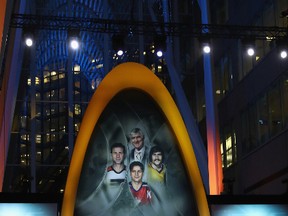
(123, 77)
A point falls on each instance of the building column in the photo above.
(185, 110)
(33, 135)
(70, 98)
(213, 139)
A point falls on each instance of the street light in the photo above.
(206, 48)
(160, 45)
(282, 47)
(250, 51)
(283, 54)
(118, 44)
(29, 41)
(74, 40)
(74, 43)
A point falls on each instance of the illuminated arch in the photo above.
(123, 77)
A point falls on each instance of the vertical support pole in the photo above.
(70, 97)
(192, 128)
(106, 59)
(213, 140)
(33, 122)
(141, 37)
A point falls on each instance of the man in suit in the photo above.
(140, 152)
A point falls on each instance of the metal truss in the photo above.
(98, 25)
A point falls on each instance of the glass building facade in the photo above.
(56, 83)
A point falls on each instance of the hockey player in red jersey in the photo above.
(139, 189)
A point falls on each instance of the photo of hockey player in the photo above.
(156, 169)
(139, 189)
(132, 119)
(116, 173)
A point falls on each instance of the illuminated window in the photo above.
(228, 148)
(38, 138)
(37, 81)
(77, 109)
(76, 69)
(46, 79)
(77, 84)
(25, 137)
(77, 126)
(61, 75)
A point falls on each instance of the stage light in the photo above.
(250, 51)
(28, 37)
(29, 41)
(74, 39)
(118, 44)
(120, 52)
(160, 45)
(206, 48)
(159, 53)
(74, 43)
(204, 41)
(249, 45)
(283, 54)
(282, 47)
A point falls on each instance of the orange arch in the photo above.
(126, 76)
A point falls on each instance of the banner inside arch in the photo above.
(132, 107)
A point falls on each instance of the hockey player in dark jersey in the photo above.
(139, 189)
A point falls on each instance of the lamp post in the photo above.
(72, 47)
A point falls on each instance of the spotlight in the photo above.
(160, 45)
(204, 40)
(118, 44)
(159, 53)
(250, 51)
(249, 45)
(120, 52)
(73, 36)
(283, 54)
(29, 38)
(206, 48)
(74, 43)
(29, 41)
(282, 47)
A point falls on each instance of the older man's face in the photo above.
(137, 140)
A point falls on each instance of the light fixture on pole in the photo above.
(282, 47)
(205, 43)
(73, 36)
(118, 44)
(249, 45)
(206, 48)
(28, 37)
(160, 45)
(250, 51)
(29, 41)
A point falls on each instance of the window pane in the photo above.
(263, 119)
(285, 100)
(275, 110)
